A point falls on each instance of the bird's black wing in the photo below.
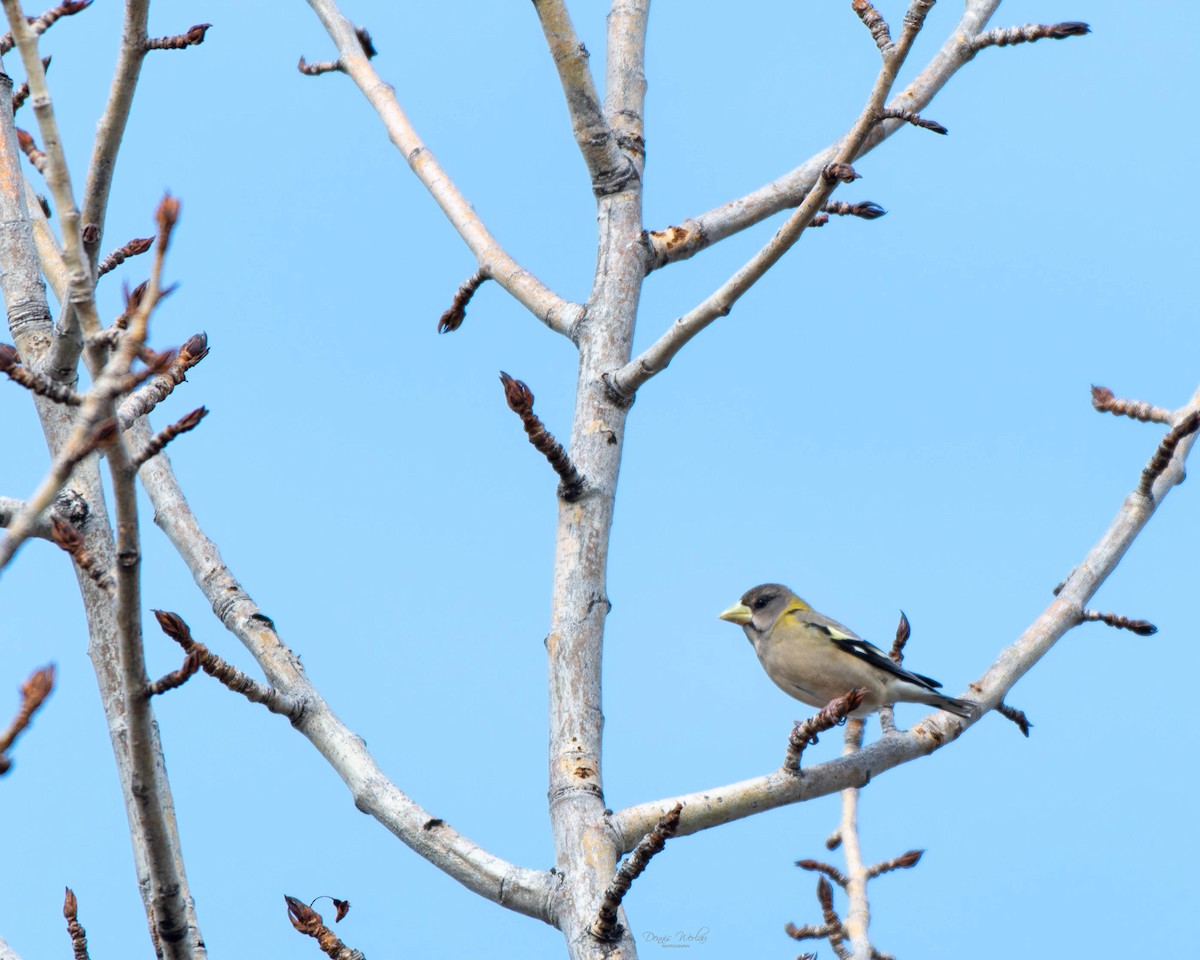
(856, 646)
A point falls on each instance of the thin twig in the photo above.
(606, 926)
(318, 67)
(697, 233)
(21, 94)
(156, 390)
(1105, 401)
(79, 277)
(903, 632)
(858, 911)
(36, 157)
(75, 929)
(873, 20)
(609, 169)
(110, 131)
(896, 113)
(905, 861)
(34, 381)
(167, 906)
(177, 678)
(558, 314)
(828, 717)
(527, 891)
(1016, 716)
(185, 423)
(809, 931)
(34, 692)
(864, 210)
(1166, 450)
(453, 318)
(835, 932)
(131, 249)
(1029, 33)
(624, 383)
(1143, 628)
(181, 41)
(820, 866)
(39, 25)
(225, 673)
(520, 401)
(306, 920)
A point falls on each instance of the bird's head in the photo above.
(760, 607)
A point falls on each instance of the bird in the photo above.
(816, 659)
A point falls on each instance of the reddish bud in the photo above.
(8, 357)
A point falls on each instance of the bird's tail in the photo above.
(967, 709)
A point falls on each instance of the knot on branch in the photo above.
(609, 182)
(70, 540)
(329, 66)
(840, 173)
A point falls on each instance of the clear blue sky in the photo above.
(898, 417)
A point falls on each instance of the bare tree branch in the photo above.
(858, 915)
(518, 888)
(558, 314)
(87, 493)
(708, 808)
(111, 128)
(39, 25)
(167, 901)
(80, 291)
(625, 382)
(608, 168)
(697, 233)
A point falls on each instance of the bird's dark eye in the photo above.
(761, 602)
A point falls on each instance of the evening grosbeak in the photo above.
(815, 659)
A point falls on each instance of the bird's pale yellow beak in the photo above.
(739, 613)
